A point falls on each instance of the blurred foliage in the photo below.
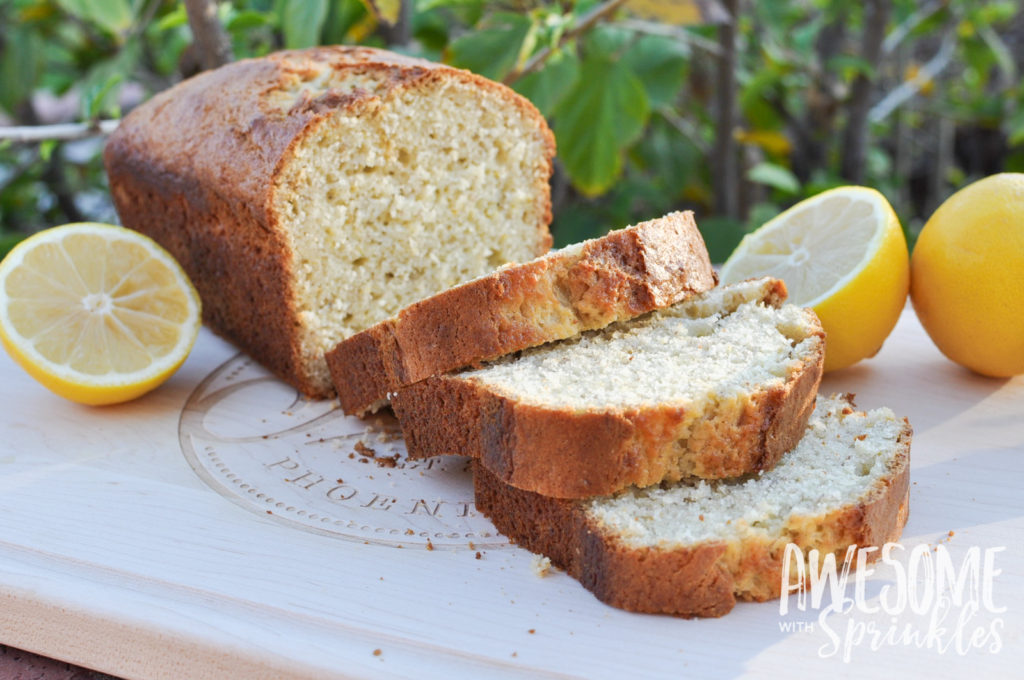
(630, 96)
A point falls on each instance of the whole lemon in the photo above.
(967, 276)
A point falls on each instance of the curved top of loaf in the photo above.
(259, 110)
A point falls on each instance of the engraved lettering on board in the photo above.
(306, 464)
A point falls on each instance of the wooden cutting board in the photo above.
(223, 527)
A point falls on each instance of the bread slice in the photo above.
(311, 194)
(590, 285)
(715, 386)
(694, 548)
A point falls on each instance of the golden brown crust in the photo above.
(196, 166)
(620, 276)
(703, 579)
(568, 453)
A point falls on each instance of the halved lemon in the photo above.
(96, 313)
(843, 254)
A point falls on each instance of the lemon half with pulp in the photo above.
(98, 314)
(842, 253)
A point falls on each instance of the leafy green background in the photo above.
(633, 100)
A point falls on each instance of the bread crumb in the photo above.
(541, 565)
(478, 555)
(387, 461)
(430, 546)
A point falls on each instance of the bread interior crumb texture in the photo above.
(403, 195)
(714, 347)
(841, 458)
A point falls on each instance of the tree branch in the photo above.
(56, 181)
(674, 32)
(399, 33)
(586, 22)
(916, 18)
(685, 127)
(855, 136)
(909, 88)
(724, 162)
(209, 36)
(62, 132)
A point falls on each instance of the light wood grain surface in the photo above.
(116, 555)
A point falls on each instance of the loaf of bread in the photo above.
(718, 385)
(311, 194)
(586, 286)
(694, 548)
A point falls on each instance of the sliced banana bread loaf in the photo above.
(718, 385)
(589, 285)
(694, 548)
(311, 194)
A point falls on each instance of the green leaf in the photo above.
(426, 5)
(547, 87)
(95, 98)
(1001, 52)
(1017, 128)
(243, 21)
(721, 235)
(756, 94)
(492, 51)
(8, 241)
(46, 149)
(113, 16)
(601, 117)
(849, 66)
(671, 158)
(879, 164)
(803, 37)
(173, 19)
(342, 17)
(578, 221)
(774, 176)
(20, 67)
(431, 30)
(660, 64)
(760, 213)
(101, 86)
(302, 21)
(1015, 161)
(607, 40)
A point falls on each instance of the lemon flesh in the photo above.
(843, 254)
(968, 276)
(98, 314)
